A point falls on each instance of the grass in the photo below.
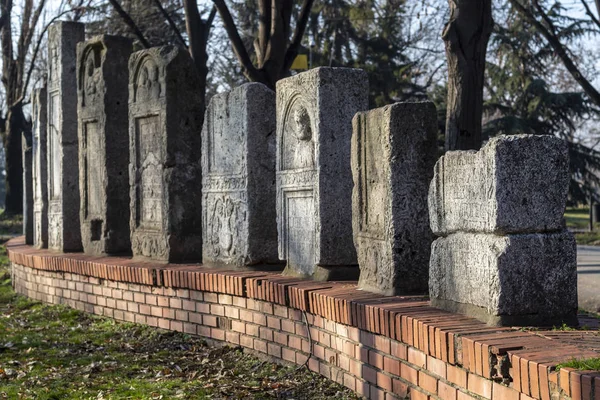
(587, 364)
(578, 218)
(10, 226)
(54, 352)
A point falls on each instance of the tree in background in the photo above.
(275, 43)
(466, 36)
(524, 96)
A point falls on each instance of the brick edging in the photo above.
(378, 346)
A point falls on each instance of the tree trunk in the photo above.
(15, 126)
(466, 35)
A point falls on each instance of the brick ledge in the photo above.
(506, 361)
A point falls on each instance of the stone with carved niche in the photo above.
(64, 232)
(164, 155)
(313, 173)
(39, 168)
(502, 188)
(394, 149)
(238, 179)
(517, 279)
(102, 79)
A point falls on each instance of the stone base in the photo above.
(541, 320)
(528, 279)
(327, 273)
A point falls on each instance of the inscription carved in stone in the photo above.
(299, 240)
(150, 170)
(93, 170)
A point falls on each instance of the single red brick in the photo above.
(376, 360)
(446, 392)
(438, 367)
(408, 373)
(464, 396)
(399, 350)
(427, 382)
(416, 395)
(575, 378)
(260, 345)
(457, 375)
(480, 386)
(564, 380)
(417, 357)
(369, 374)
(391, 366)
(503, 392)
(400, 388)
(384, 381)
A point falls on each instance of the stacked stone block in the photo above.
(314, 177)
(504, 255)
(238, 179)
(164, 161)
(64, 233)
(39, 169)
(104, 144)
(394, 149)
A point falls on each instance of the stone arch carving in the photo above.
(147, 84)
(297, 130)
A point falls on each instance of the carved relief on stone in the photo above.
(54, 147)
(93, 185)
(298, 147)
(53, 44)
(54, 230)
(371, 183)
(150, 169)
(147, 82)
(149, 245)
(224, 215)
(91, 75)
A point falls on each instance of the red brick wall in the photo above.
(373, 365)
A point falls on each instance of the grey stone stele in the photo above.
(314, 176)
(64, 233)
(502, 188)
(102, 77)
(40, 168)
(394, 149)
(238, 179)
(518, 279)
(165, 111)
(26, 146)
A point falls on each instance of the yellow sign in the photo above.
(300, 62)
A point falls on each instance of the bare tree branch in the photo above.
(558, 48)
(170, 21)
(588, 11)
(292, 51)
(238, 45)
(130, 23)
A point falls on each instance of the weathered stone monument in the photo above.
(504, 256)
(102, 93)
(394, 150)
(39, 169)
(26, 143)
(64, 233)
(164, 165)
(314, 177)
(238, 178)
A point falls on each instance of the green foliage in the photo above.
(584, 364)
(520, 98)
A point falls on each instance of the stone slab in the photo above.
(314, 177)
(64, 233)
(27, 159)
(165, 111)
(394, 150)
(102, 92)
(522, 279)
(40, 168)
(514, 184)
(238, 178)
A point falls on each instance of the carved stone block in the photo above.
(394, 149)
(238, 178)
(314, 177)
(164, 166)
(39, 169)
(64, 232)
(528, 279)
(102, 78)
(514, 184)
(27, 162)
